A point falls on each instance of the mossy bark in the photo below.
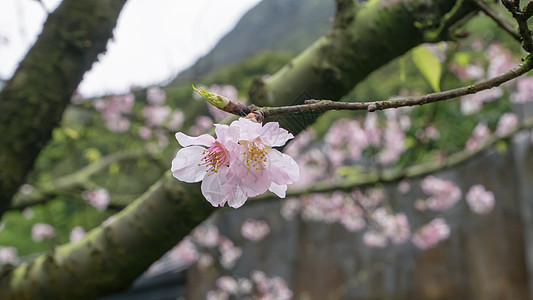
(363, 39)
(33, 101)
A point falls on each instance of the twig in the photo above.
(521, 18)
(501, 23)
(322, 105)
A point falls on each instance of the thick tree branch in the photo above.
(33, 100)
(46, 191)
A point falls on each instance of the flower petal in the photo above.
(278, 189)
(283, 168)
(185, 164)
(274, 136)
(213, 188)
(185, 140)
(248, 130)
(253, 182)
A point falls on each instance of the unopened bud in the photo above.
(214, 99)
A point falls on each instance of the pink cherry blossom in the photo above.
(77, 234)
(507, 123)
(98, 198)
(254, 230)
(206, 235)
(480, 200)
(443, 193)
(9, 255)
(156, 96)
(429, 235)
(209, 165)
(257, 167)
(479, 136)
(524, 90)
(41, 231)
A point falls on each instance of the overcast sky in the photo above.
(154, 39)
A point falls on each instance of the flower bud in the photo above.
(214, 99)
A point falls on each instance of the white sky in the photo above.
(154, 39)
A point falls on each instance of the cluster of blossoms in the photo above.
(259, 286)
(41, 231)
(431, 234)
(98, 198)
(480, 200)
(158, 118)
(9, 255)
(114, 110)
(254, 230)
(443, 193)
(238, 164)
(387, 226)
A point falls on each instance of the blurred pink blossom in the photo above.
(472, 103)
(156, 115)
(98, 198)
(206, 235)
(443, 193)
(480, 200)
(76, 234)
(42, 231)
(524, 90)
(9, 255)
(254, 230)
(145, 132)
(431, 234)
(375, 239)
(479, 137)
(201, 125)
(229, 253)
(274, 288)
(507, 123)
(156, 96)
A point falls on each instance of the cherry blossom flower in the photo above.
(443, 193)
(479, 136)
(229, 253)
(507, 123)
(9, 255)
(41, 231)
(77, 234)
(480, 200)
(429, 235)
(239, 164)
(156, 96)
(524, 90)
(254, 230)
(257, 167)
(98, 198)
(195, 163)
(206, 235)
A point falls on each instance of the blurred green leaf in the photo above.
(429, 65)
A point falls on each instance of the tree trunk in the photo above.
(33, 101)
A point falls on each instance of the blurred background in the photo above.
(429, 202)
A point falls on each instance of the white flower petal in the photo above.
(185, 164)
(248, 130)
(274, 136)
(185, 140)
(213, 188)
(283, 168)
(278, 189)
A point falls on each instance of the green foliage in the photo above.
(429, 65)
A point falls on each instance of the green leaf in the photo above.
(429, 65)
(92, 154)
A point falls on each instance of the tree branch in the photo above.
(323, 105)
(501, 23)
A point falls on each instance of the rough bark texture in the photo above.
(111, 256)
(33, 101)
(362, 40)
